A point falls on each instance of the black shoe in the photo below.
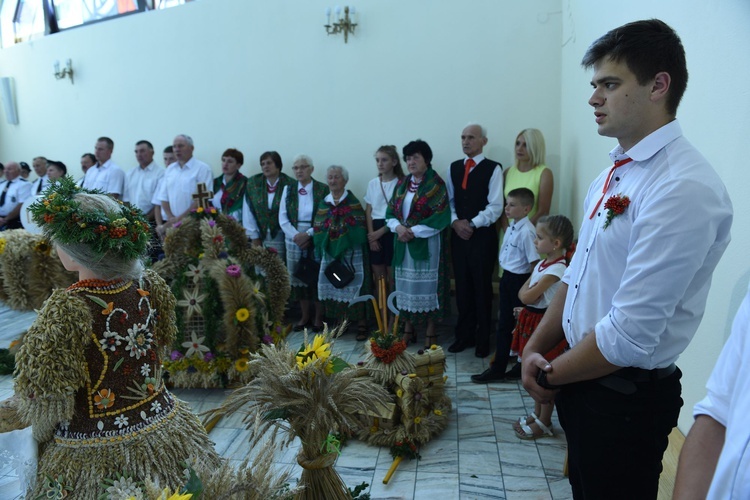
(514, 373)
(460, 345)
(299, 328)
(488, 376)
(317, 328)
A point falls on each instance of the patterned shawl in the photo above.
(257, 199)
(320, 191)
(428, 207)
(339, 228)
(231, 197)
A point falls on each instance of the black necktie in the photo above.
(39, 189)
(5, 191)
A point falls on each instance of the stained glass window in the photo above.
(22, 20)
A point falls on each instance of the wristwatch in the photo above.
(471, 224)
(541, 380)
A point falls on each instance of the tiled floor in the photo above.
(477, 456)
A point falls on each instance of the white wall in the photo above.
(262, 75)
(713, 115)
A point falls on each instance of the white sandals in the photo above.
(524, 431)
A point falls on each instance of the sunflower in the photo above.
(308, 354)
(242, 314)
(166, 495)
(2, 245)
(241, 365)
(192, 301)
(43, 248)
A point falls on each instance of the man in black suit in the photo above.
(475, 190)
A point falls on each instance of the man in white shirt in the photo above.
(88, 160)
(141, 182)
(13, 192)
(105, 175)
(655, 226)
(180, 182)
(714, 459)
(475, 193)
(40, 165)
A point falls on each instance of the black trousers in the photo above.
(616, 441)
(510, 284)
(473, 266)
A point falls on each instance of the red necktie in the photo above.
(618, 163)
(467, 168)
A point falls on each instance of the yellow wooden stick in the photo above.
(394, 465)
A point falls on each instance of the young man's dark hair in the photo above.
(647, 47)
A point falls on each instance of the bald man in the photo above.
(13, 192)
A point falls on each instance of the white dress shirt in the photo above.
(38, 186)
(495, 203)
(108, 177)
(181, 182)
(141, 185)
(728, 402)
(518, 250)
(642, 282)
(305, 212)
(18, 190)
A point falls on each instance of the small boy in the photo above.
(518, 256)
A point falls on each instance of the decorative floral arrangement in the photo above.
(224, 307)
(386, 348)
(288, 384)
(615, 206)
(29, 270)
(58, 213)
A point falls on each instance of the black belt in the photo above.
(535, 310)
(624, 380)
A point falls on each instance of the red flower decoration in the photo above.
(615, 206)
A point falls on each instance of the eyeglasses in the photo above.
(301, 167)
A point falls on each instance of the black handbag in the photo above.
(307, 269)
(339, 272)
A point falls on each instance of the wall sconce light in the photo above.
(66, 72)
(344, 24)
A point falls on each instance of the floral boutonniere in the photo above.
(615, 206)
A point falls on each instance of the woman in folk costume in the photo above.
(260, 210)
(89, 375)
(340, 233)
(230, 186)
(299, 202)
(418, 215)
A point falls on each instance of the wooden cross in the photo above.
(203, 196)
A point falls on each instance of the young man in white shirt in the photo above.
(105, 175)
(655, 226)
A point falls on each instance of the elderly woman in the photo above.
(89, 372)
(299, 202)
(418, 215)
(260, 210)
(230, 186)
(340, 235)
(530, 172)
